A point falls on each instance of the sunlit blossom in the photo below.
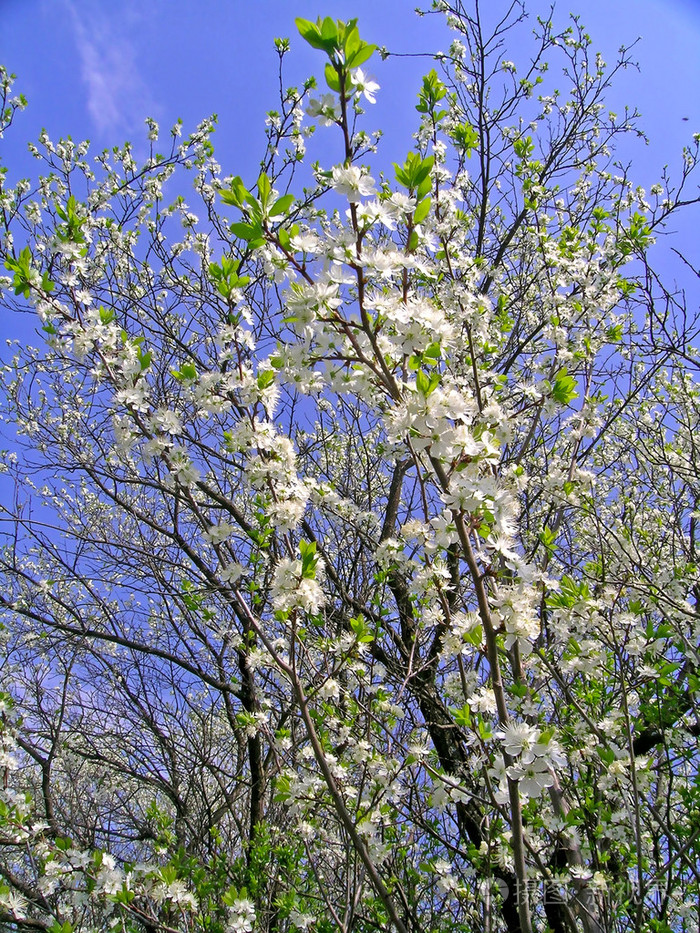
(241, 917)
(365, 85)
(352, 183)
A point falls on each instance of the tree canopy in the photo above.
(350, 516)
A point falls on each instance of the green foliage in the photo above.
(70, 231)
(362, 630)
(309, 559)
(548, 538)
(414, 174)
(466, 138)
(26, 277)
(636, 238)
(225, 276)
(564, 388)
(427, 383)
(432, 91)
(340, 41)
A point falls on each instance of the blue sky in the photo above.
(96, 68)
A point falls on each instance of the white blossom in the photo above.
(352, 182)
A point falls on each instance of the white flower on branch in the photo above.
(291, 590)
(364, 85)
(241, 917)
(353, 183)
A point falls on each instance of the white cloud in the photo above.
(118, 99)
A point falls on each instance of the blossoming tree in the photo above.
(349, 530)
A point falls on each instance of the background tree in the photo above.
(349, 575)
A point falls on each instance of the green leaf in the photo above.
(246, 231)
(309, 559)
(548, 538)
(485, 733)
(237, 194)
(523, 147)
(564, 388)
(476, 636)
(265, 378)
(311, 33)
(466, 137)
(332, 78)
(424, 187)
(361, 56)
(401, 175)
(423, 170)
(281, 205)
(329, 29)
(228, 197)
(282, 792)
(264, 189)
(186, 373)
(65, 927)
(421, 211)
(427, 384)
(351, 44)
(24, 276)
(432, 91)
(362, 631)
(414, 174)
